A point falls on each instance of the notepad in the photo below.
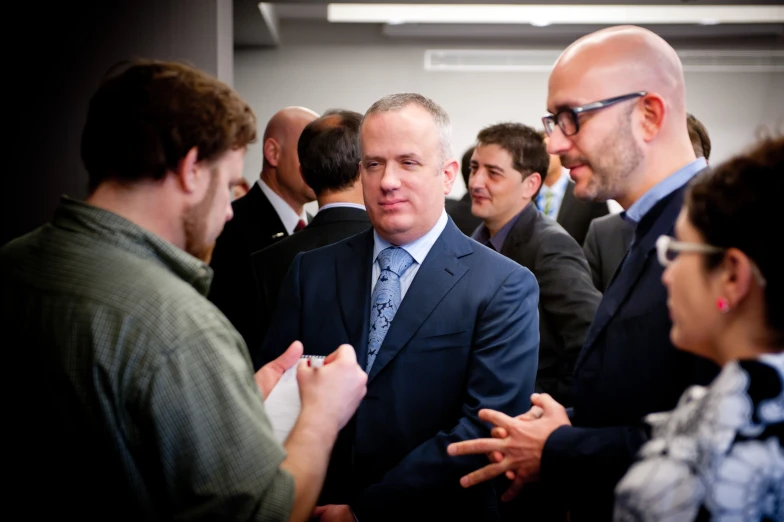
(283, 404)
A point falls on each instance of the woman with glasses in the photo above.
(718, 455)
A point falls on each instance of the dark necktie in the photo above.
(300, 225)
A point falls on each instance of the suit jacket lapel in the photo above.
(439, 272)
(353, 272)
(265, 223)
(625, 279)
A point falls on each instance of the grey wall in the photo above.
(321, 67)
(54, 70)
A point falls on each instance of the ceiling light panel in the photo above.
(554, 14)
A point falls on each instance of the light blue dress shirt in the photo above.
(662, 189)
(418, 250)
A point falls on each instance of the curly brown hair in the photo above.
(736, 206)
(143, 121)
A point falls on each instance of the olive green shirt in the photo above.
(144, 384)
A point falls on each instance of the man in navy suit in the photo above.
(618, 121)
(443, 325)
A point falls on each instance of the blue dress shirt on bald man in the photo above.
(465, 337)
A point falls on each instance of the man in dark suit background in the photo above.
(606, 243)
(609, 237)
(271, 210)
(556, 200)
(632, 146)
(505, 177)
(460, 209)
(443, 325)
(329, 161)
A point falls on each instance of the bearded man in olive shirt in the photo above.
(142, 401)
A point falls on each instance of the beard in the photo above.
(195, 222)
(618, 157)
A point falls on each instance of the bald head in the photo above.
(280, 169)
(620, 60)
(622, 147)
(287, 122)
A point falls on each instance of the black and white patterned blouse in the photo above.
(718, 456)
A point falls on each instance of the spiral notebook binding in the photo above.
(315, 361)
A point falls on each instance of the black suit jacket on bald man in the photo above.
(255, 225)
(627, 369)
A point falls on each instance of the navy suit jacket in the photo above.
(464, 338)
(627, 369)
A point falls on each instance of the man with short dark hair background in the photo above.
(507, 167)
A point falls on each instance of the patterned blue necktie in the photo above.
(385, 300)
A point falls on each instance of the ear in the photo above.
(188, 172)
(271, 151)
(653, 112)
(737, 275)
(531, 185)
(450, 174)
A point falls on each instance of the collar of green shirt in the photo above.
(105, 227)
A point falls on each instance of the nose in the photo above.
(390, 180)
(229, 212)
(476, 179)
(667, 276)
(557, 143)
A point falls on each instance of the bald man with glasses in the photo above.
(617, 119)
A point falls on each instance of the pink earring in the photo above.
(723, 305)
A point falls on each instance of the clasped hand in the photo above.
(516, 446)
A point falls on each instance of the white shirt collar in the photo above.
(287, 216)
(418, 248)
(342, 204)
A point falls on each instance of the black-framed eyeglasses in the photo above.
(567, 118)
